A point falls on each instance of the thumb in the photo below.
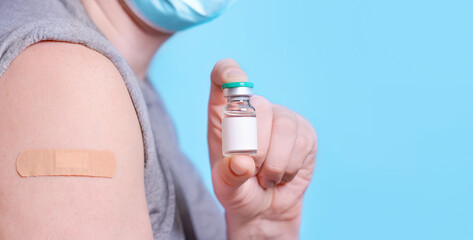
(230, 173)
(224, 71)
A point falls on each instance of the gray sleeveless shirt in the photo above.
(179, 205)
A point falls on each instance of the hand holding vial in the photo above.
(262, 157)
(239, 131)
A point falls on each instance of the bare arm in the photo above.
(62, 95)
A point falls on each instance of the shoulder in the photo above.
(68, 89)
(58, 95)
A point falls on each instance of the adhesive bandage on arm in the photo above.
(66, 162)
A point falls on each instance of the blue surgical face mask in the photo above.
(176, 15)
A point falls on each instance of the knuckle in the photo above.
(312, 135)
(285, 123)
(263, 106)
(306, 123)
(302, 144)
(258, 100)
(273, 170)
(310, 162)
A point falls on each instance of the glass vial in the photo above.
(239, 131)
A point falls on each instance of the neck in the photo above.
(135, 41)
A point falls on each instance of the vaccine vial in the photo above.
(239, 135)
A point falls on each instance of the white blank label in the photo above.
(239, 134)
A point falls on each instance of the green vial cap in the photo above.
(237, 84)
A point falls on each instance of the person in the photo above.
(73, 76)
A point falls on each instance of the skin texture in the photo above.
(262, 195)
(63, 95)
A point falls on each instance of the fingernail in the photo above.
(237, 167)
(236, 76)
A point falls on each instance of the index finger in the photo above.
(224, 71)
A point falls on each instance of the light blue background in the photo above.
(387, 85)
